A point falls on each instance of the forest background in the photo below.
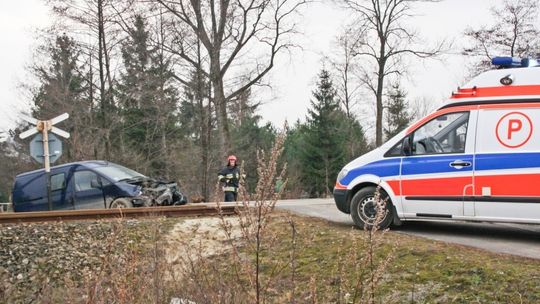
(170, 88)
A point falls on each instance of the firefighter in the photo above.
(230, 178)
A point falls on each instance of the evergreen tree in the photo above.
(325, 141)
(249, 138)
(242, 107)
(293, 154)
(356, 142)
(62, 89)
(197, 127)
(14, 159)
(148, 105)
(398, 116)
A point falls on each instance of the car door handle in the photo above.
(459, 164)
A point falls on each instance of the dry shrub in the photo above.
(250, 274)
(248, 242)
(370, 264)
(228, 259)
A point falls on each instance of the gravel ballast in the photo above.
(39, 255)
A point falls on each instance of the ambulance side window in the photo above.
(396, 150)
(444, 134)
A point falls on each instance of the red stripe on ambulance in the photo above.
(518, 90)
(446, 186)
(509, 184)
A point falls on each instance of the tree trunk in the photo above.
(204, 148)
(205, 124)
(102, 89)
(379, 114)
(379, 96)
(221, 105)
(206, 152)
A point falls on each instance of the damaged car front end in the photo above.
(137, 190)
(157, 193)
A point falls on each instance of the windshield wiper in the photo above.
(134, 178)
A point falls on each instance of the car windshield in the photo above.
(119, 173)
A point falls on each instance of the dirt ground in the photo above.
(193, 239)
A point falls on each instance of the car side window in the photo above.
(58, 181)
(104, 182)
(442, 135)
(83, 180)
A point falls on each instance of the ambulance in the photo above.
(477, 158)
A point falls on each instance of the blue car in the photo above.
(91, 185)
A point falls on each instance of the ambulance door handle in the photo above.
(459, 164)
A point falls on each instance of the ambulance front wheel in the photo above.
(369, 209)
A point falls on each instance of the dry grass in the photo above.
(310, 261)
(263, 256)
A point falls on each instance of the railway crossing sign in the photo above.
(38, 153)
(44, 126)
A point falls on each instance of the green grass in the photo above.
(421, 270)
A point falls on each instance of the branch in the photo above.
(275, 47)
(243, 40)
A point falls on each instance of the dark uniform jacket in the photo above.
(230, 176)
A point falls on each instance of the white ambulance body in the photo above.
(475, 159)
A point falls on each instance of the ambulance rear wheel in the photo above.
(364, 209)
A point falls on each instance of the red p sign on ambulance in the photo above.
(514, 130)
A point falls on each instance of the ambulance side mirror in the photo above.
(406, 146)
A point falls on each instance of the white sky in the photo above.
(293, 78)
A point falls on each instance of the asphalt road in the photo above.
(514, 239)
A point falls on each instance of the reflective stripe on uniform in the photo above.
(231, 189)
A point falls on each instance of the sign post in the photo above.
(44, 126)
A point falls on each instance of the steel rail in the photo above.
(97, 214)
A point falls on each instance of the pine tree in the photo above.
(355, 142)
(293, 153)
(148, 104)
(325, 141)
(197, 127)
(63, 88)
(249, 137)
(398, 116)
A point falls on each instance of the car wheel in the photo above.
(364, 209)
(121, 203)
(181, 202)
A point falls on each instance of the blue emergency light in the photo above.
(514, 62)
(507, 62)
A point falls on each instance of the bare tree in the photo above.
(345, 66)
(515, 32)
(422, 106)
(95, 24)
(348, 92)
(247, 34)
(382, 41)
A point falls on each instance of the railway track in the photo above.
(97, 214)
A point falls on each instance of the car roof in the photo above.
(87, 164)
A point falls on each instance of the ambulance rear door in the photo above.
(507, 163)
